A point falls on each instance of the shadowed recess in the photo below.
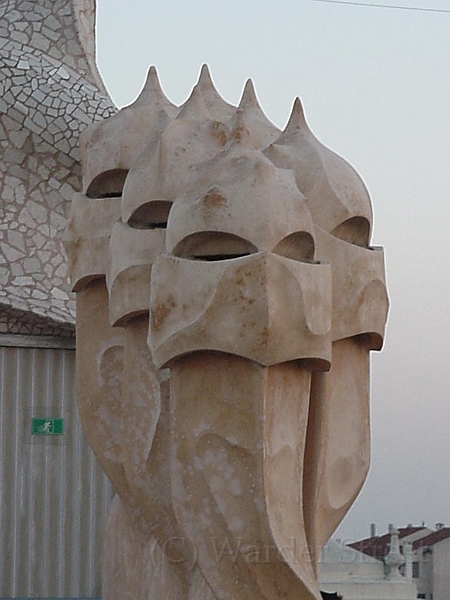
(297, 246)
(354, 231)
(108, 184)
(151, 215)
(213, 245)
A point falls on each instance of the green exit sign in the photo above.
(47, 426)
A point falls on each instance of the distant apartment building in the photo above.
(430, 556)
(356, 575)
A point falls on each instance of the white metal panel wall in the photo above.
(53, 494)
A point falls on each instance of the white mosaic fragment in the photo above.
(8, 194)
(38, 295)
(40, 120)
(40, 42)
(38, 240)
(19, 36)
(52, 22)
(16, 240)
(18, 138)
(23, 64)
(31, 265)
(63, 73)
(11, 254)
(18, 115)
(59, 294)
(19, 194)
(38, 95)
(23, 280)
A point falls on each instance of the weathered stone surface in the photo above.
(227, 301)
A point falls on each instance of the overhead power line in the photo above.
(373, 5)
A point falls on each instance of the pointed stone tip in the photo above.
(152, 81)
(205, 82)
(249, 95)
(297, 119)
(152, 89)
(218, 108)
(205, 75)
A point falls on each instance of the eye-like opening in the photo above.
(297, 246)
(151, 215)
(355, 230)
(213, 246)
(108, 184)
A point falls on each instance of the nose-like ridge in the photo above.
(263, 307)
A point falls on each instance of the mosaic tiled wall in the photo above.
(50, 91)
(16, 322)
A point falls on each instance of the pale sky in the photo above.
(375, 84)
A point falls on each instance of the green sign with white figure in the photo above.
(47, 426)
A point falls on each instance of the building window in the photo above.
(415, 570)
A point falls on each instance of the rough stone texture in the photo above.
(50, 91)
(227, 301)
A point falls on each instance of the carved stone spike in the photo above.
(118, 142)
(224, 329)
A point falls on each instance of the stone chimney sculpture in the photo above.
(227, 301)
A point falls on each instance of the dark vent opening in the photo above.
(213, 246)
(355, 231)
(297, 246)
(108, 184)
(213, 257)
(151, 215)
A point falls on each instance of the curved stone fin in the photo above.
(99, 384)
(241, 548)
(336, 457)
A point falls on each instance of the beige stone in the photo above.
(227, 301)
